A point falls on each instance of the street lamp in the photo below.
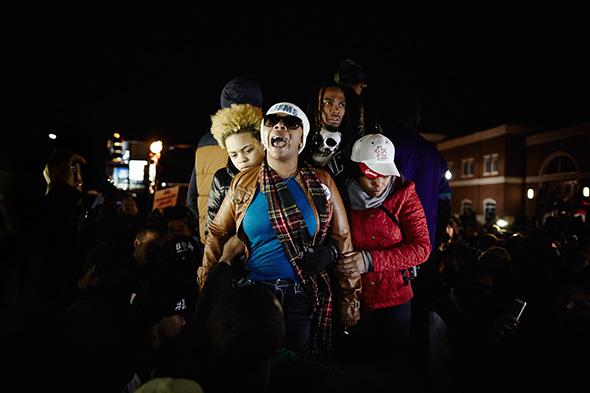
(155, 150)
(448, 174)
(156, 147)
(530, 193)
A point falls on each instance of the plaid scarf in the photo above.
(289, 225)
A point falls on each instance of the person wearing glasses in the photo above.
(292, 222)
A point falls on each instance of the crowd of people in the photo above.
(316, 252)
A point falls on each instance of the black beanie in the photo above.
(241, 90)
(349, 73)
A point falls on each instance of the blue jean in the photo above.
(297, 310)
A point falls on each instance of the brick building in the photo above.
(510, 170)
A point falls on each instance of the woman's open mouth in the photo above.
(279, 141)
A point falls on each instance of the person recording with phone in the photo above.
(482, 317)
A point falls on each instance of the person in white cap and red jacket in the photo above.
(389, 235)
(292, 221)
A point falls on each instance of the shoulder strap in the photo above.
(400, 181)
(410, 273)
(393, 218)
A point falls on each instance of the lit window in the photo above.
(466, 207)
(495, 164)
(560, 164)
(489, 209)
(136, 170)
(467, 167)
(490, 164)
(487, 164)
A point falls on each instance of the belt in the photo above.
(280, 283)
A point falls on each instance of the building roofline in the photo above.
(503, 129)
(433, 137)
(559, 134)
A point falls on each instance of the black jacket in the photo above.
(219, 186)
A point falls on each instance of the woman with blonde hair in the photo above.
(236, 129)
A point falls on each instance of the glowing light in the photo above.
(152, 173)
(586, 192)
(156, 147)
(163, 184)
(530, 193)
(136, 170)
(116, 135)
(502, 223)
(52, 136)
(448, 174)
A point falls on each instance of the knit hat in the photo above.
(241, 90)
(349, 73)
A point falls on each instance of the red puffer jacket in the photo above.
(373, 231)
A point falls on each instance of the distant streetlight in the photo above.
(530, 193)
(586, 192)
(156, 147)
(52, 136)
(448, 174)
(155, 150)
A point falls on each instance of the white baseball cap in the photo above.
(286, 108)
(377, 153)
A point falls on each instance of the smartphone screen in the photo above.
(518, 306)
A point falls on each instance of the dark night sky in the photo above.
(153, 72)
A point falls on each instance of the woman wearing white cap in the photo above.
(390, 235)
(293, 222)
